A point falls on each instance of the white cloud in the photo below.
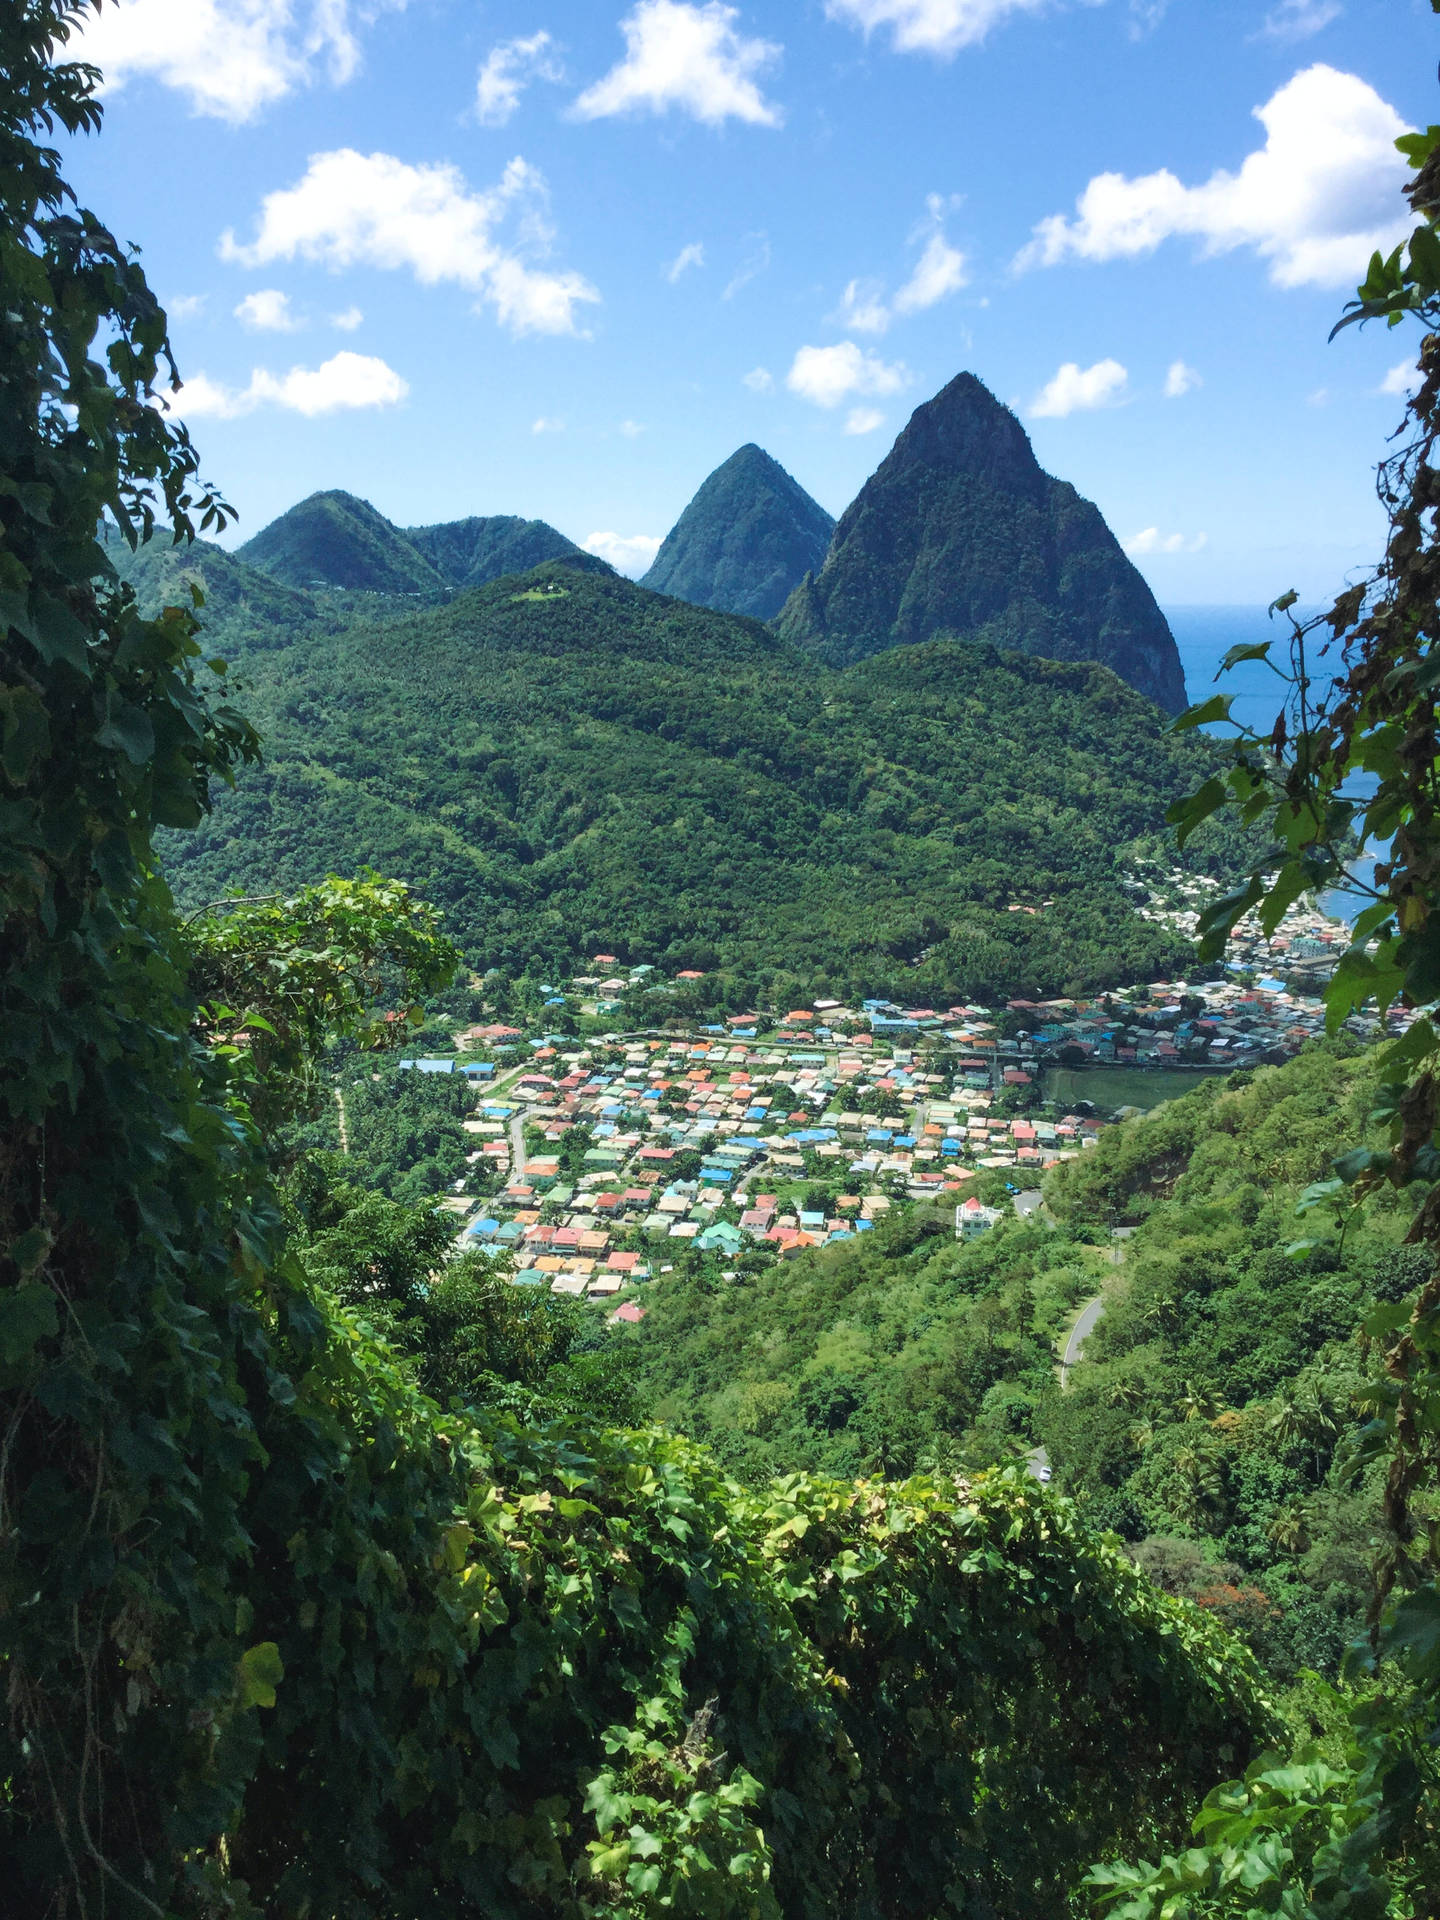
(1151, 540)
(346, 381)
(230, 57)
(1298, 19)
(930, 26)
(758, 380)
(1145, 16)
(1180, 380)
(754, 263)
(547, 424)
(628, 553)
(347, 321)
(509, 68)
(371, 210)
(863, 308)
(940, 271)
(1076, 390)
(691, 256)
(826, 376)
(1315, 201)
(267, 312)
(863, 420)
(185, 306)
(632, 429)
(686, 57)
(1403, 379)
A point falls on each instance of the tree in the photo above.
(278, 1635)
(1312, 1837)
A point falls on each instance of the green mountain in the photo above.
(564, 760)
(468, 553)
(959, 532)
(334, 540)
(749, 536)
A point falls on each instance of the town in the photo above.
(601, 1159)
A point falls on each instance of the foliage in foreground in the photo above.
(1361, 1837)
(276, 1635)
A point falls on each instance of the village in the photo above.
(600, 1162)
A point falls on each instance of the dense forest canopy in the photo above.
(565, 763)
(745, 541)
(278, 1634)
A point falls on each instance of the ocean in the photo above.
(1204, 635)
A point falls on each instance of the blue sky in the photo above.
(561, 259)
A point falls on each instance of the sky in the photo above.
(559, 258)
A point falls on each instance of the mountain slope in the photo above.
(960, 531)
(468, 553)
(564, 761)
(243, 606)
(745, 541)
(334, 540)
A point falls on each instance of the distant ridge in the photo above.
(334, 539)
(960, 533)
(471, 553)
(748, 537)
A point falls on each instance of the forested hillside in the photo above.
(566, 761)
(1207, 1421)
(278, 1635)
(745, 541)
(334, 540)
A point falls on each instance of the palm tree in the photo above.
(1288, 1529)
(1287, 1420)
(1195, 1403)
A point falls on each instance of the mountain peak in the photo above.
(335, 539)
(961, 532)
(750, 534)
(965, 429)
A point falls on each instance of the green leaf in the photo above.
(1186, 815)
(1416, 1044)
(1360, 1162)
(26, 731)
(1217, 707)
(131, 730)
(1413, 1635)
(1351, 984)
(258, 1674)
(58, 635)
(28, 1314)
(1425, 259)
(1254, 650)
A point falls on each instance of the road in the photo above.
(517, 1149)
(1080, 1333)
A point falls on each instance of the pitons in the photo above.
(961, 533)
(748, 537)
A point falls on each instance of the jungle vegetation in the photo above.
(564, 763)
(278, 1633)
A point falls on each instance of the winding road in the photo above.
(1079, 1334)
